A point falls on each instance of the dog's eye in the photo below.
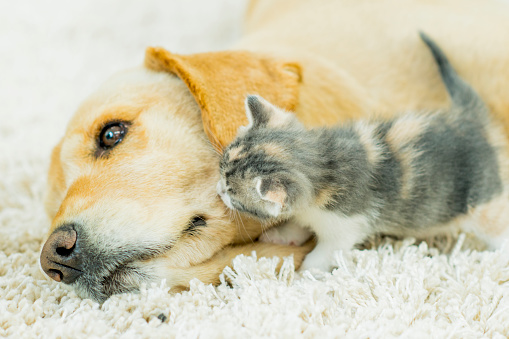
(112, 134)
(195, 223)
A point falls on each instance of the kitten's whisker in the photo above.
(230, 216)
(266, 226)
(233, 218)
(244, 226)
(213, 145)
(264, 232)
(217, 151)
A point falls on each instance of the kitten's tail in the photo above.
(462, 95)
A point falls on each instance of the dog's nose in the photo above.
(60, 259)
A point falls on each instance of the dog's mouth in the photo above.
(125, 277)
(109, 270)
(97, 266)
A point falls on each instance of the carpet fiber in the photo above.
(53, 54)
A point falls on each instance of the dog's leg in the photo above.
(209, 271)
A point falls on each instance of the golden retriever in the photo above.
(132, 182)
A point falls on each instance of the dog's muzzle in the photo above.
(98, 266)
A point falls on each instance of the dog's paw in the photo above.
(288, 233)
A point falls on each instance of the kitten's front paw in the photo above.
(323, 265)
(317, 259)
(288, 233)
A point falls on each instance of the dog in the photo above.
(131, 185)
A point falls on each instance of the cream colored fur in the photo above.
(375, 46)
(357, 58)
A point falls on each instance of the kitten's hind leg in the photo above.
(288, 233)
(491, 220)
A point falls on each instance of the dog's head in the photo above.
(132, 183)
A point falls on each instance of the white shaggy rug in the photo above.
(52, 54)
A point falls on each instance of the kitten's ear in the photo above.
(273, 192)
(261, 113)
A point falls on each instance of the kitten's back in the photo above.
(443, 163)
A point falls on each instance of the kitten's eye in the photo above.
(112, 134)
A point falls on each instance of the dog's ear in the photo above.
(220, 81)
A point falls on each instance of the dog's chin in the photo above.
(126, 278)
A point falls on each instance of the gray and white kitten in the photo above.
(403, 176)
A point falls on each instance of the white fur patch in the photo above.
(334, 232)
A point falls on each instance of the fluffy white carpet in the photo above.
(52, 54)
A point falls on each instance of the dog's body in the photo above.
(129, 216)
(376, 58)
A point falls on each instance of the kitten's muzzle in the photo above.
(222, 192)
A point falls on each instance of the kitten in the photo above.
(403, 176)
